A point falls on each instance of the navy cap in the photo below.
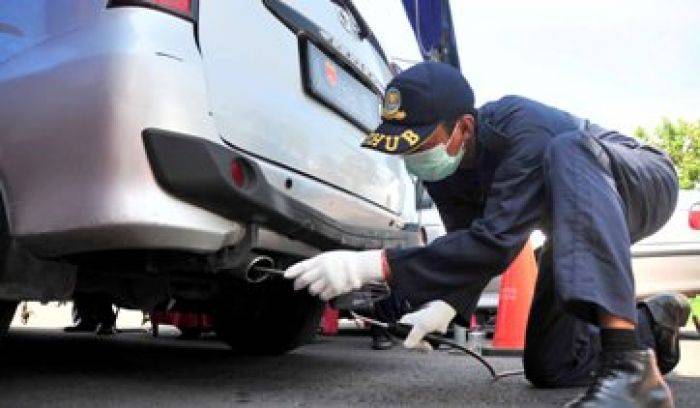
(416, 101)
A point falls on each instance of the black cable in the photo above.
(402, 330)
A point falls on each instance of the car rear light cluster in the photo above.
(694, 216)
(240, 174)
(181, 8)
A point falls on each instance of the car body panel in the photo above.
(26, 24)
(674, 273)
(255, 115)
(669, 260)
(85, 80)
(75, 174)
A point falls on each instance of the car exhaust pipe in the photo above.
(253, 268)
(258, 269)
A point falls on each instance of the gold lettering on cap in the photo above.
(374, 139)
(411, 137)
(392, 143)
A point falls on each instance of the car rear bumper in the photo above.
(670, 272)
(198, 171)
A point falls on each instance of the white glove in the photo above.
(433, 317)
(336, 272)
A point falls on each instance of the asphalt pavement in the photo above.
(45, 367)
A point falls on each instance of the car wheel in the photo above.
(7, 312)
(266, 319)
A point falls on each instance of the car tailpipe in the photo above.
(257, 269)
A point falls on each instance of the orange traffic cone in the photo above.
(514, 300)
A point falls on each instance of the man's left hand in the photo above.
(337, 272)
(434, 317)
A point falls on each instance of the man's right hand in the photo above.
(337, 272)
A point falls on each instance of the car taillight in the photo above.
(238, 173)
(694, 216)
(181, 8)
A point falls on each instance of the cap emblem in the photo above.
(392, 104)
(391, 142)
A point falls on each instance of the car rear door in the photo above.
(265, 101)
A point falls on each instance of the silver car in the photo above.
(159, 152)
(669, 260)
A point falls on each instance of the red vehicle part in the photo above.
(183, 320)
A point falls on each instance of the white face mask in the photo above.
(433, 164)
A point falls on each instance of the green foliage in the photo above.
(681, 140)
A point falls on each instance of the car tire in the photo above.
(7, 312)
(266, 319)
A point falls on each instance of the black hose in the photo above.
(402, 330)
(442, 340)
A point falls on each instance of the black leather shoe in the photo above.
(82, 327)
(626, 379)
(669, 312)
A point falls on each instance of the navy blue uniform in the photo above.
(593, 192)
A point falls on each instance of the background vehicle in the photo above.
(668, 260)
(154, 151)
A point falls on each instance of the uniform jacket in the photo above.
(490, 210)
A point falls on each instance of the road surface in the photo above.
(45, 367)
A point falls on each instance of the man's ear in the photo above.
(469, 125)
(462, 132)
